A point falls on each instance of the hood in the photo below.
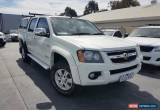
(2, 36)
(13, 34)
(145, 41)
(97, 42)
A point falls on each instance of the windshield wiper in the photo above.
(141, 36)
(81, 34)
(98, 34)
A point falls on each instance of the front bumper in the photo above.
(14, 38)
(152, 58)
(105, 68)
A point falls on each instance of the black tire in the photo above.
(3, 44)
(65, 66)
(24, 53)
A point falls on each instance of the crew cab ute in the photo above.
(76, 52)
(148, 37)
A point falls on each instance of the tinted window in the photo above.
(118, 34)
(24, 23)
(42, 23)
(146, 32)
(32, 24)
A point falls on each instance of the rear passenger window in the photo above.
(32, 25)
(24, 23)
(42, 23)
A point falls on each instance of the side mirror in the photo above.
(41, 32)
(126, 35)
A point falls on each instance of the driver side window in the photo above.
(42, 23)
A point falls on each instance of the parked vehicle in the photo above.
(2, 40)
(148, 38)
(113, 33)
(13, 37)
(77, 52)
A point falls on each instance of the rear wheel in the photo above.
(61, 78)
(2, 45)
(24, 55)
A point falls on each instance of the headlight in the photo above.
(88, 56)
(157, 49)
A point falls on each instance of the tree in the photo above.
(69, 12)
(123, 4)
(91, 7)
(61, 14)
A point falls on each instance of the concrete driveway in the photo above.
(28, 87)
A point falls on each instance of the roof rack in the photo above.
(34, 14)
(27, 16)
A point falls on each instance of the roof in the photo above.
(126, 14)
(150, 27)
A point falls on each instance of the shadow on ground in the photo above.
(111, 97)
(150, 71)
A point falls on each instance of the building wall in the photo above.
(9, 22)
(126, 26)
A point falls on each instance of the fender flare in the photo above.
(70, 59)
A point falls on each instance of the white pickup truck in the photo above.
(77, 52)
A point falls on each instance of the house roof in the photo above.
(126, 14)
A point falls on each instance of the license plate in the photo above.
(126, 77)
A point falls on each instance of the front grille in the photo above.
(146, 48)
(122, 56)
(146, 58)
(123, 70)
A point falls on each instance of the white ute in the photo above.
(148, 38)
(76, 52)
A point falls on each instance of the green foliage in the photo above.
(91, 7)
(123, 4)
(69, 12)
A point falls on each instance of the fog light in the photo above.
(94, 75)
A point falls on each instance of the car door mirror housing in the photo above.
(126, 34)
(41, 32)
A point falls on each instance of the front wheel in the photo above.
(61, 79)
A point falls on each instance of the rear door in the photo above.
(43, 42)
(30, 36)
(23, 26)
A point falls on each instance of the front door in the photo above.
(43, 42)
(30, 36)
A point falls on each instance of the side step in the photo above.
(45, 66)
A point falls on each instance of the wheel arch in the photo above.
(58, 53)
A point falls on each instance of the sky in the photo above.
(51, 6)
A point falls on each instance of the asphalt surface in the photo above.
(27, 87)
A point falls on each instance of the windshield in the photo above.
(71, 26)
(146, 32)
(109, 33)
